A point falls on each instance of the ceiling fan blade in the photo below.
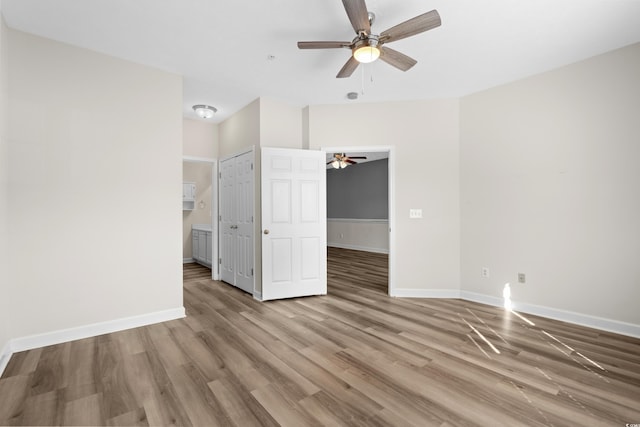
(323, 45)
(413, 26)
(397, 59)
(357, 157)
(351, 162)
(358, 15)
(348, 68)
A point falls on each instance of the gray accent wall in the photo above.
(359, 191)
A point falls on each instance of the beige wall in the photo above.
(550, 188)
(5, 290)
(280, 124)
(200, 173)
(425, 137)
(240, 131)
(200, 139)
(102, 153)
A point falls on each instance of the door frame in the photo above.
(391, 202)
(215, 273)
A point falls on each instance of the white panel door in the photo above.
(244, 222)
(294, 223)
(227, 221)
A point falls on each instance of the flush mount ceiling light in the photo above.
(204, 111)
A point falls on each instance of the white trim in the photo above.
(358, 248)
(609, 325)
(198, 159)
(239, 153)
(257, 295)
(482, 298)
(359, 220)
(589, 321)
(215, 249)
(94, 329)
(188, 260)
(5, 355)
(64, 335)
(425, 293)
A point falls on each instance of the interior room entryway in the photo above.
(199, 208)
(360, 207)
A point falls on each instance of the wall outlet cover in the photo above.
(415, 213)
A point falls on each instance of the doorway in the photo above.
(370, 226)
(199, 228)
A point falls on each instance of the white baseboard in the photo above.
(358, 248)
(86, 331)
(482, 299)
(589, 321)
(188, 260)
(424, 293)
(5, 355)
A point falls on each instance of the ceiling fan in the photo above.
(367, 47)
(341, 160)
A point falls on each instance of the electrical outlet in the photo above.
(415, 213)
(485, 272)
(521, 278)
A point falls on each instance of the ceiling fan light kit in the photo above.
(341, 160)
(367, 47)
(205, 111)
(366, 51)
(337, 164)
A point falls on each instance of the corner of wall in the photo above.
(5, 296)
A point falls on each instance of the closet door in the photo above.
(236, 221)
(227, 220)
(244, 222)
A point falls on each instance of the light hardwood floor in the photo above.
(353, 357)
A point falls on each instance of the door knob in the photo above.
(266, 231)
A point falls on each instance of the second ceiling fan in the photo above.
(341, 160)
(367, 47)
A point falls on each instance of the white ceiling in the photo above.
(221, 47)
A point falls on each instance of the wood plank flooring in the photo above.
(354, 358)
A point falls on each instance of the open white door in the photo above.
(294, 223)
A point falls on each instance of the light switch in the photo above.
(415, 213)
